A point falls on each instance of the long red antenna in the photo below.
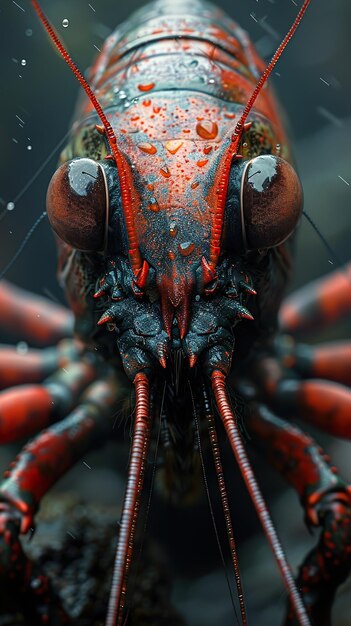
(218, 217)
(131, 505)
(235, 439)
(266, 74)
(120, 162)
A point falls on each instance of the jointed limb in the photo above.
(327, 502)
(33, 318)
(41, 463)
(319, 304)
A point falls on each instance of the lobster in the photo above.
(175, 206)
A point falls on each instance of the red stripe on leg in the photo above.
(20, 369)
(326, 405)
(23, 411)
(319, 303)
(32, 317)
(331, 361)
(45, 459)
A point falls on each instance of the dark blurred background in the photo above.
(313, 82)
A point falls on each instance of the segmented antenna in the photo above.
(266, 74)
(229, 422)
(218, 214)
(120, 162)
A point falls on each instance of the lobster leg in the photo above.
(26, 409)
(327, 503)
(318, 304)
(33, 318)
(325, 404)
(40, 464)
(331, 361)
(34, 365)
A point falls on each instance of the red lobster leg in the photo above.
(26, 409)
(318, 304)
(34, 365)
(33, 318)
(327, 503)
(40, 464)
(326, 405)
(331, 361)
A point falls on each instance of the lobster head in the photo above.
(173, 223)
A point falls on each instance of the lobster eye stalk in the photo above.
(77, 204)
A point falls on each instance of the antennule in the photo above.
(225, 503)
(234, 436)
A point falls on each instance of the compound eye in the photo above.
(271, 201)
(77, 204)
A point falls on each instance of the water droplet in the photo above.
(29, 32)
(186, 248)
(173, 145)
(147, 87)
(245, 145)
(153, 205)
(122, 95)
(23, 62)
(207, 129)
(173, 229)
(148, 148)
(22, 347)
(65, 22)
(10, 206)
(29, 147)
(164, 171)
(211, 81)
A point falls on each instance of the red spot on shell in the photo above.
(171, 255)
(207, 129)
(229, 116)
(173, 229)
(202, 163)
(156, 109)
(194, 185)
(147, 87)
(173, 145)
(150, 186)
(146, 103)
(207, 149)
(148, 148)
